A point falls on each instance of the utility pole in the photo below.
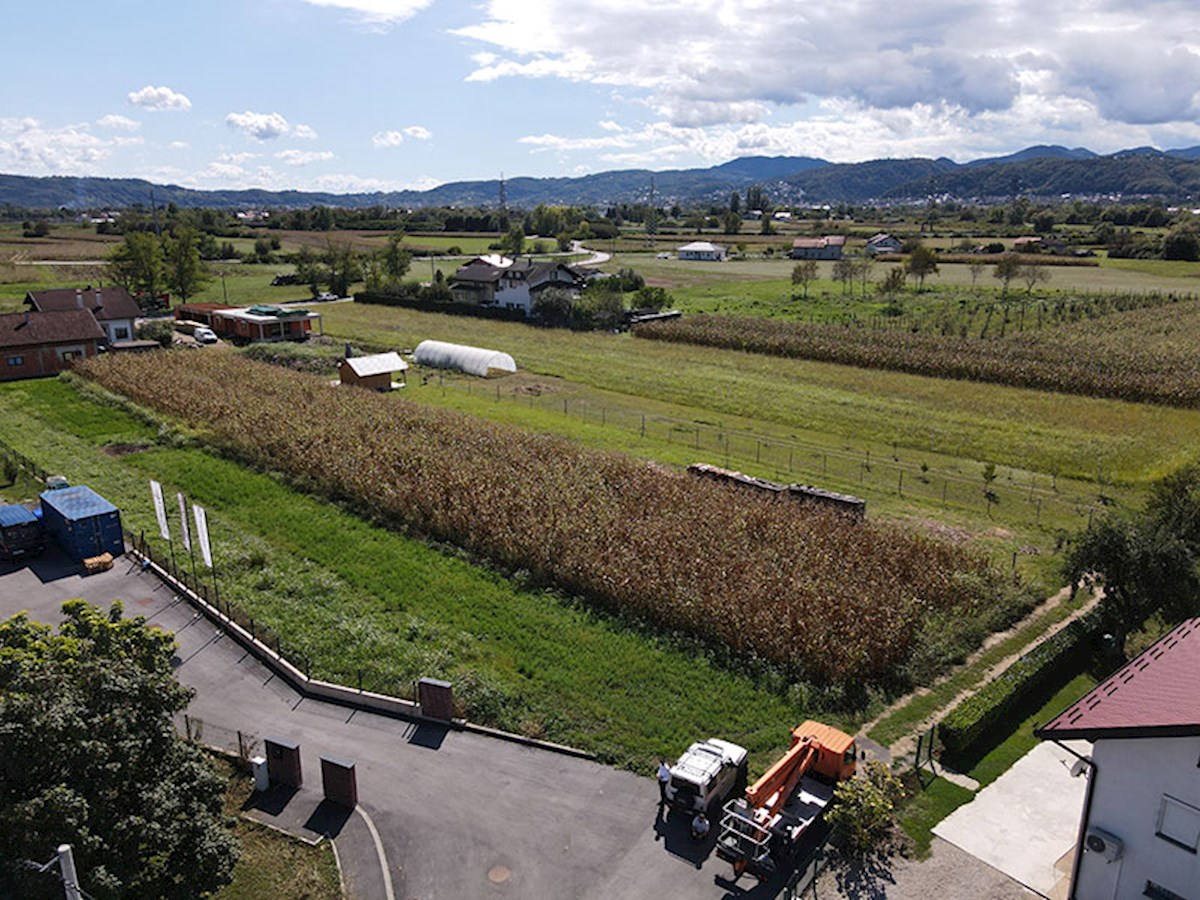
(502, 220)
(66, 866)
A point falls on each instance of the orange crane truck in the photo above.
(760, 832)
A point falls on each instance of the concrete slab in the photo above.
(1025, 821)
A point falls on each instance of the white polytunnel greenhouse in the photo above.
(472, 360)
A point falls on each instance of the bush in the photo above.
(983, 717)
(865, 807)
(427, 300)
(162, 331)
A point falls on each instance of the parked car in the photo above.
(325, 296)
(205, 335)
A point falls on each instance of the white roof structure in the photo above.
(495, 259)
(377, 364)
(472, 360)
(701, 247)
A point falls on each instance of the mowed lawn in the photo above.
(1074, 437)
(349, 597)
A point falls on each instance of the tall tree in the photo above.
(89, 756)
(1007, 267)
(185, 274)
(137, 263)
(1033, 274)
(344, 265)
(843, 271)
(804, 273)
(922, 262)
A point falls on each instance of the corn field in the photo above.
(1144, 355)
(807, 591)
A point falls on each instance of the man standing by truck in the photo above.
(664, 778)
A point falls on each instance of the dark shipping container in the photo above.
(83, 522)
(20, 533)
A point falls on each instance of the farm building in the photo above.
(249, 324)
(828, 247)
(511, 284)
(472, 360)
(112, 307)
(882, 243)
(701, 250)
(1140, 834)
(372, 372)
(33, 344)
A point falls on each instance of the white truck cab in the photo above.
(706, 774)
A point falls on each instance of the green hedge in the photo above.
(987, 714)
(441, 306)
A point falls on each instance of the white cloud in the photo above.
(610, 125)
(418, 132)
(304, 132)
(726, 67)
(28, 147)
(394, 138)
(260, 126)
(178, 145)
(123, 123)
(303, 157)
(159, 99)
(378, 15)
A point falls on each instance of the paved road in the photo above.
(459, 815)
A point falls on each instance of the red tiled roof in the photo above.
(1158, 693)
(115, 302)
(31, 329)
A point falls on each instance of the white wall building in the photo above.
(1140, 829)
(702, 250)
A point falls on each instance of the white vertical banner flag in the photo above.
(160, 510)
(185, 533)
(202, 534)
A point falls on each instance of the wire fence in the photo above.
(1021, 497)
(244, 744)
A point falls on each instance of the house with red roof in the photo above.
(1139, 834)
(34, 344)
(112, 307)
(828, 247)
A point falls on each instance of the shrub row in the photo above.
(979, 720)
(441, 306)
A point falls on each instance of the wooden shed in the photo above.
(372, 372)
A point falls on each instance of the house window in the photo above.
(1179, 824)
(16, 360)
(68, 355)
(120, 334)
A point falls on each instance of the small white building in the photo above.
(882, 243)
(701, 250)
(1140, 829)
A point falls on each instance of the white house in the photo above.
(511, 284)
(882, 243)
(1140, 830)
(701, 250)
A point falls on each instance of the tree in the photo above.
(976, 268)
(553, 306)
(1007, 267)
(308, 269)
(865, 807)
(1147, 563)
(395, 260)
(513, 242)
(843, 271)
(185, 274)
(599, 307)
(756, 198)
(731, 222)
(1033, 274)
(137, 263)
(922, 262)
(804, 273)
(344, 264)
(1182, 243)
(864, 267)
(735, 203)
(90, 756)
(893, 282)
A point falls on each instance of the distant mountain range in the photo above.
(1043, 171)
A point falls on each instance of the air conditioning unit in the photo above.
(1099, 841)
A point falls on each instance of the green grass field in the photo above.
(349, 597)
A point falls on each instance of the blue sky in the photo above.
(350, 95)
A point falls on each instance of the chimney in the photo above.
(98, 303)
(78, 299)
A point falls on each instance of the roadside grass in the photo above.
(349, 597)
(905, 720)
(925, 808)
(273, 864)
(1075, 437)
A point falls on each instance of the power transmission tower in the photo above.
(503, 217)
(651, 217)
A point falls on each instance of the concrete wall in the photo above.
(1133, 775)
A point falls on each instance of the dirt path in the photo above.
(907, 744)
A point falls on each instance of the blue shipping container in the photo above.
(83, 522)
(20, 533)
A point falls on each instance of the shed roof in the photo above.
(377, 364)
(15, 515)
(79, 502)
(105, 303)
(701, 247)
(1155, 694)
(34, 328)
